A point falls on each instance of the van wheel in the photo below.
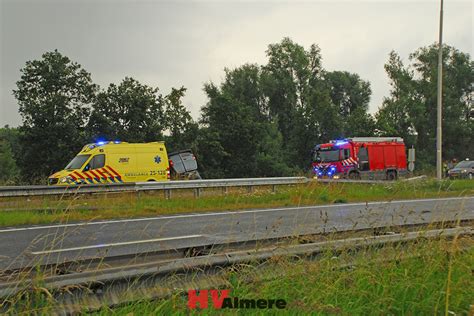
(391, 175)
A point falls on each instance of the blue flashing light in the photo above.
(117, 142)
(341, 142)
(102, 142)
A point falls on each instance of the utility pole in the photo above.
(439, 156)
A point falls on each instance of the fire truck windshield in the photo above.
(326, 155)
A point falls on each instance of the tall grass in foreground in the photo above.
(421, 277)
(427, 277)
(51, 210)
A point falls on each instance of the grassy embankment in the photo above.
(54, 210)
(426, 277)
(430, 277)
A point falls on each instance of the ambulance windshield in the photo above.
(327, 155)
(77, 162)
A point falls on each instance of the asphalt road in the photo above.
(27, 246)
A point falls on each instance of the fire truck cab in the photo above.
(360, 158)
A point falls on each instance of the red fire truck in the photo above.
(360, 157)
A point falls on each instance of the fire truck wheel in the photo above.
(353, 175)
(391, 175)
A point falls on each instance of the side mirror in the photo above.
(86, 168)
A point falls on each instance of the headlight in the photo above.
(463, 171)
(66, 179)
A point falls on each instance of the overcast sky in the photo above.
(173, 43)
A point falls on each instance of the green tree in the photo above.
(54, 96)
(411, 109)
(8, 144)
(286, 78)
(348, 91)
(299, 99)
(293, 99)
(351, 95)
(239, 139)
(394, 117)
(130, 112)
(360, 123)
(270, 156)
(210, 153)
(182, 129)
(310, 104)
(232, 121)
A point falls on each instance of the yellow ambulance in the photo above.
(115, 162)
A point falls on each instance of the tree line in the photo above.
(261, 120)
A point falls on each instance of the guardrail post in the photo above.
(197, 192)
(167, 194)
(274, 188)
(225, 190)
(250, 189)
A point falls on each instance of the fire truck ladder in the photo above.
(375, 139)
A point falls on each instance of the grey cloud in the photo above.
(170, 44)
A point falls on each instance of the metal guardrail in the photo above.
(167, 186)
(167, 267)
(31, 190)
(15, 191)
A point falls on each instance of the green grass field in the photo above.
(424, 277)
(54, 210)
(429, 277)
